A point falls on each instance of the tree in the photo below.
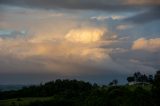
(130, 79)
(110, 84)
(157, 79)
(156, 88)
(113, 83)
(143, 78)
(150, 78)
(137, 76)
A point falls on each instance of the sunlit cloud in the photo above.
(151, 45)
(85, 35)
(53, 52)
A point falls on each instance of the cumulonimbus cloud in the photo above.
(56, 54)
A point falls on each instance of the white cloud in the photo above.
(114, 17)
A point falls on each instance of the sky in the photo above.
(91, 40)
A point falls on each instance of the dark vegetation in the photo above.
(142, 90)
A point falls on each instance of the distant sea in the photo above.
(10, 87)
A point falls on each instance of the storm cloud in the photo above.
(78, 38)
(144, 17)
(106, 5)
(149, 10)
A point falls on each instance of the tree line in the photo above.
(79, 93)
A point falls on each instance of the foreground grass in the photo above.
(22, 101)
(27, 100)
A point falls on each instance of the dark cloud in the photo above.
(114, 5)
(103, 5)
(30, 78)
(148, 16)
(147, 59)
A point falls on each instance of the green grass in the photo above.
(22, 101)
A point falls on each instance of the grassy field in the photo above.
(22, 101)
